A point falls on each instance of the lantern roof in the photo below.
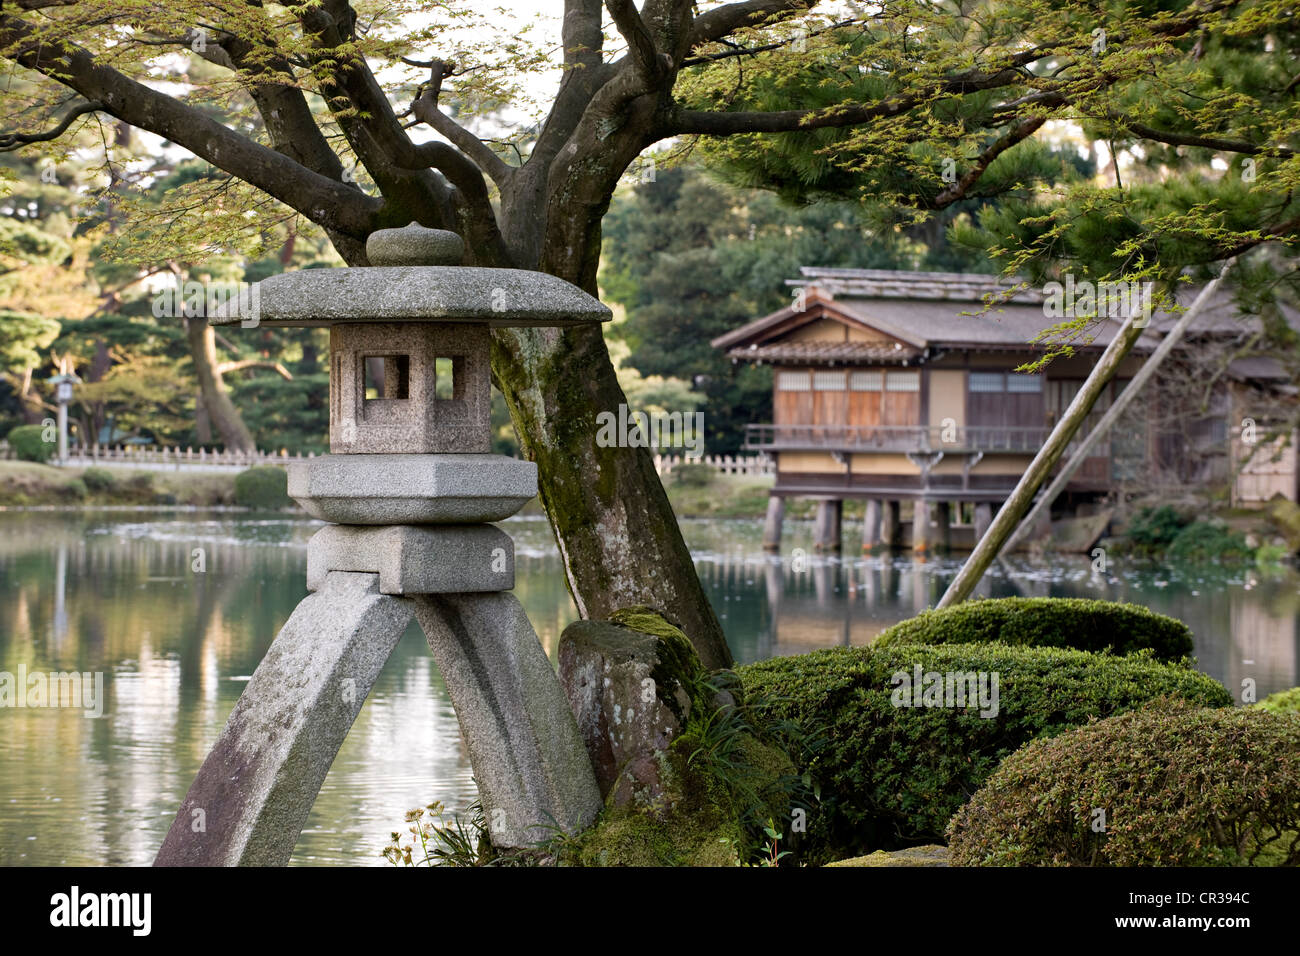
(414, 278)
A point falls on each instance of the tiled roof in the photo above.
(828, 353)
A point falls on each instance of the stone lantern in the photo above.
(409, 489)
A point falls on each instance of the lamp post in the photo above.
(409, 489)
(63, 383)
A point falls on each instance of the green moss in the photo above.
(931, 855)
(628, 837)
(1085, 625)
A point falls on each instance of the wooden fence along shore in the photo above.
(203, 459)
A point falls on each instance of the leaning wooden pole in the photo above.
(1122, 401)
(1018, 502)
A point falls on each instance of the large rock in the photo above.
(629, 683)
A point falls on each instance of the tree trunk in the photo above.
(216, 400)
(615, 528)
(616, 531)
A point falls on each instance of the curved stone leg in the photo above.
(529, 760)
(252, 795)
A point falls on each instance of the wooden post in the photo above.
(891, 524)
(772, 526)
(871, 526)
(921, 528)
(983, 518)
(827, 530)
(943, 526)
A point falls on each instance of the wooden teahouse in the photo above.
(899, 387)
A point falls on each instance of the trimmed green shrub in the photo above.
(692, 476)
(28, 443)
(892, 776)
(1180, 786)
(1082, 624)
(99, 479)
(141, 481)
(264, 487)
(1283, 702)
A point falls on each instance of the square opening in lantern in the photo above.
(448, 374)
(388, 377)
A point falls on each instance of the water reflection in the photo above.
(117, 593)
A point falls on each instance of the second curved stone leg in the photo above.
(253, 793)
(532, 768)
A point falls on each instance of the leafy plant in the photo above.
(442, 840)
(99, 479)
(29, 444)
(265, 487)
(1152, 530)
(1167, 785)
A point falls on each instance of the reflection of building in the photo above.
(885, 391)
(1263, 646)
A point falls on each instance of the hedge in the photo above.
(1085, 625)
(265, 487)
(1178, 786)
(28, 443)
(892, 776)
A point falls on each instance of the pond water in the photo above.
(114, 592)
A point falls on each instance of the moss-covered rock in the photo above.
(689, 777)
(930, 855)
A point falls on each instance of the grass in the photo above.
(24, 484)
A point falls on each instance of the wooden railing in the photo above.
(723, 464)
(203, 459)
(895, 438)
(164, 458)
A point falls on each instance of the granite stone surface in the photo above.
(416, 559)
(412, 489)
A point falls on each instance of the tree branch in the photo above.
(331, 204)
(12, 141)
(425, 108)
(1207, 142)
(1016, 135)
(224, 367)
(719, 22)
